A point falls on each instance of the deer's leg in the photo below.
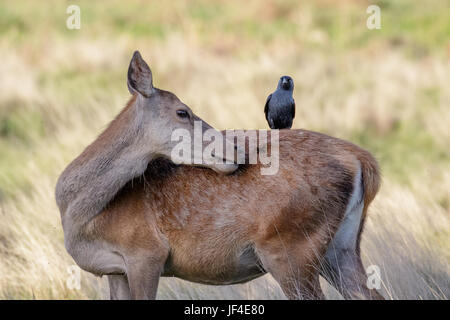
(342, 265)
(292, 267)
(145, 263)
(142, 248)
(143, 274)
(344, 270)
(118, 287)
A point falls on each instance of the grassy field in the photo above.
(387, 90)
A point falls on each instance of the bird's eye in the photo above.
(182, 113)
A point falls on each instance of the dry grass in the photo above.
(388, 94)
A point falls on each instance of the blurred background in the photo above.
(387, 90)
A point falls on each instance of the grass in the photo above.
(387, 90)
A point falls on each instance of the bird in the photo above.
(280, 105)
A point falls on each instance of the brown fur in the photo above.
(205, 220)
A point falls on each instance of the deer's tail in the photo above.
(371, 181)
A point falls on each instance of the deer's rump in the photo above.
(214, 223)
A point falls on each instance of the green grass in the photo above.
(406, 148)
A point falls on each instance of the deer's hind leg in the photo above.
(343, 267)
(293, 262)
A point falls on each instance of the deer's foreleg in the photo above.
(143, 274)
(118, 287)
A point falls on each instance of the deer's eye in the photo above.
(182, 113)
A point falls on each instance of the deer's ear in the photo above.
(139, 76)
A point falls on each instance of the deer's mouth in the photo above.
(219, 164)
(225, 168)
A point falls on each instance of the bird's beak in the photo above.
(285, 83)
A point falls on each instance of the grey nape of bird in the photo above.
(280, 105)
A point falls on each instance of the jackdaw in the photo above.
(280, 106)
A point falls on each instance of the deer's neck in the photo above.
(90, 182)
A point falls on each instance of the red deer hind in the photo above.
(131, 214)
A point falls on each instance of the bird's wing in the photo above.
(266, 107)
(293, 108)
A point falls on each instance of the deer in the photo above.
(128, 212)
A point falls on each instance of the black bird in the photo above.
(280, 106)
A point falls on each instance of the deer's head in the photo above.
(161, 113)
